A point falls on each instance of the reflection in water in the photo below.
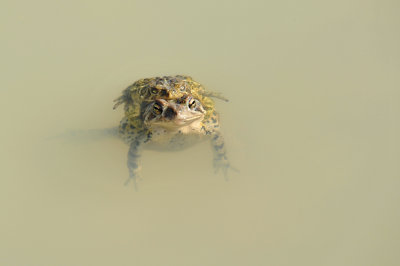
(312, 124)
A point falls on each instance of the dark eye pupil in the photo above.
(192, 104)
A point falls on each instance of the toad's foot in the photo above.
(224, 166)
(134, 176)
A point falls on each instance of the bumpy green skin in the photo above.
(133, 130)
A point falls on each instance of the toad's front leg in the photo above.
(133, 162)
(220, 161)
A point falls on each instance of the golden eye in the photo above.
(192, 103)
(153, 91)
(157, 108)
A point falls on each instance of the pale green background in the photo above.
(313, 126)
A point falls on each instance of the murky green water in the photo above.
(312, 124)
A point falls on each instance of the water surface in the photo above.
(312, 124)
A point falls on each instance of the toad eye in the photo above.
(154, 91)
(192, 103)
(157, 108)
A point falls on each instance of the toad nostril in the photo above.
(169, 113)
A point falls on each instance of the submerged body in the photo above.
(169, 113)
